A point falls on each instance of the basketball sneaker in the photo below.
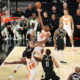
(11, 77)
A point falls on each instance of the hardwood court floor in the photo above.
(73, 60)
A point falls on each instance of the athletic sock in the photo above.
(19, 65)
(62, 55)
(56, 54)
(73, 46)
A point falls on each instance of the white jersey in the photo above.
(31, 63)
(67, 25)
(66, 22)
(32, 67)
(41, 37)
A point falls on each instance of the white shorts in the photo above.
(32, 74)
(68, 30)
(37, 50)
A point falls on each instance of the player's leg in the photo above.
(61, 48)
(46, 77)
(6, 33)
(14, 71)
(62, 57)
(71, 40)
(16, 34)
(62, 54)
(69, 32)
(58, 46)
(33, 74)
(18, 66)
(53, 76)
(56, 54)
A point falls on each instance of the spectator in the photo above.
(4, 31)
(63, 1)
(32, 19)
(45, 18)
(17, 36)
(55, 11)
(29, 11)
(53, 23)
(78, 1)
(10, 31)
(65, 5)
(72, 7)
(23, 28)
(18, 13)
(77, 17)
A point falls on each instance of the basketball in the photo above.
(38, 5)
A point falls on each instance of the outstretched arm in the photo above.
(35, 44)
(44, 41)
(40, 18)
(38, 59)
(54, 38)
(72, 22)
(55, 62)
(41, 42)
(60, 21)
(69, 78)
(22, 61)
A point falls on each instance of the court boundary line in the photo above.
(7, 57)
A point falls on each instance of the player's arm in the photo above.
(40, 18)
(54, 38)
(55, 62)
(33, 44)
(64, 41)
(69, 78)
(41, 42)
(38, 59)
(60, 21)
(72, 23)
(22, 61)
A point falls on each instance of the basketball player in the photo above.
(47, 64)
(31, 63)
(44, 35)
(68, 23)
(59, 42)
(75, 75)
(32, 44)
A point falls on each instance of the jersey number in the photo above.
(47, 64)
(66, 23)
(75, 78)
(32, 65)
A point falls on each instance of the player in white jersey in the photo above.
(32, 67)
(68, 25)
(31, 62)
(44, 35)
(42, 39)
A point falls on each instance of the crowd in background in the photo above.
(24, 22)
